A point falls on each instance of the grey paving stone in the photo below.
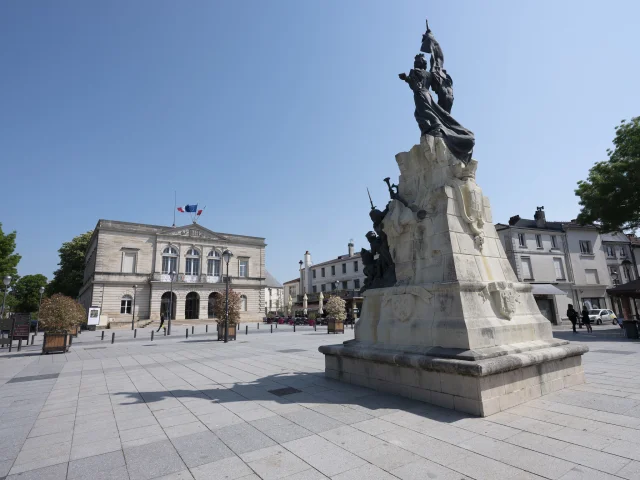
(82, 450)
(185, 429)
(311, 474)
(54, 472)
(425, 469)
(370, 472)
(153, 460)
(351, 439)
(183, 475)
(243, 438)
(97, 467)
(201, 448)
(585, 473)
(483, 468)
(314, 421)
(274, 462)
(388, 456)
(229, 469)
(375, 426)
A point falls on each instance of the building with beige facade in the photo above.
(137, 271)
(568, 263)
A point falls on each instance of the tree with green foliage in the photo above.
(27, 292)
(69, 277)
(8, 258)
(610, 197)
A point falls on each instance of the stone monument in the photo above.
(444, 318)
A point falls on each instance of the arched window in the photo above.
(243, 303)
(192, 265)
(213, 263)
(125, 305)
(169, 260)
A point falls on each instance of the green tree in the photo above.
(610, 197)
(68, 278)
(27, 292)
(8, 259)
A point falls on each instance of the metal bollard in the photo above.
(113, 337)
(258, 326)
(19, 344)
(246, 329)
(135, 332)
(152, 335)
(314, 327)
(193, 329)
(294, 327)
(206, 330)
(272, 328)
(276, 325)
(102, 338)
(165, 331)
(187, 332)
(33, 338)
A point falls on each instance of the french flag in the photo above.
(189, 209)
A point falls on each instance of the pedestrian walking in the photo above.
(573, 317)
(585, 319)
(161, 322)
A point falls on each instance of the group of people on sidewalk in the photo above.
(573, 318)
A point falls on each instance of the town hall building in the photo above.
(138, 272)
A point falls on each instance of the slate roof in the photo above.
(271, 281)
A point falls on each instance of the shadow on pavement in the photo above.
(307, 389)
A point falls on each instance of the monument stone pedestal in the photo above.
(457, 329)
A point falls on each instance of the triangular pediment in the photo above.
(193, 231)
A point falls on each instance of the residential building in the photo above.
(537, 251)
(617, 250)
(129, 266)
(342, 276)
(273, 294)
(635, 250)
(291, 289)
(588, 266)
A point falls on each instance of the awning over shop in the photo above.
(629, 289)
(546, 289)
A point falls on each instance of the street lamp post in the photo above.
(133, 312)
(226, 256)
(6, 280)
(171, 278)
(39, 305)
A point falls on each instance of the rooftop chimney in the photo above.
(351, 247)
(541, 221)
(307, 259)
(513, 220)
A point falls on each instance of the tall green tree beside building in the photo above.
(8, 258)
(27, 292)
(610, 196)
(67, 280)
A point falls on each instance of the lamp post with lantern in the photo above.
(133, 312)
(226, 256)
(39, 305)
(6, 280)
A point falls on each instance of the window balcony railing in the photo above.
(345, 294)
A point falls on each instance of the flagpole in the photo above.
(174, 208)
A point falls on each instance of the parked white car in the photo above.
(599, 316)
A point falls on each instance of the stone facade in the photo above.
(122, 254)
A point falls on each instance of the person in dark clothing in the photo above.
(573, 317)
(161, 322)
(585, 319)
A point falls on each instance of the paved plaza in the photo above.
(260, 408)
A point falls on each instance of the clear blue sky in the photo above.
(277, 115)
